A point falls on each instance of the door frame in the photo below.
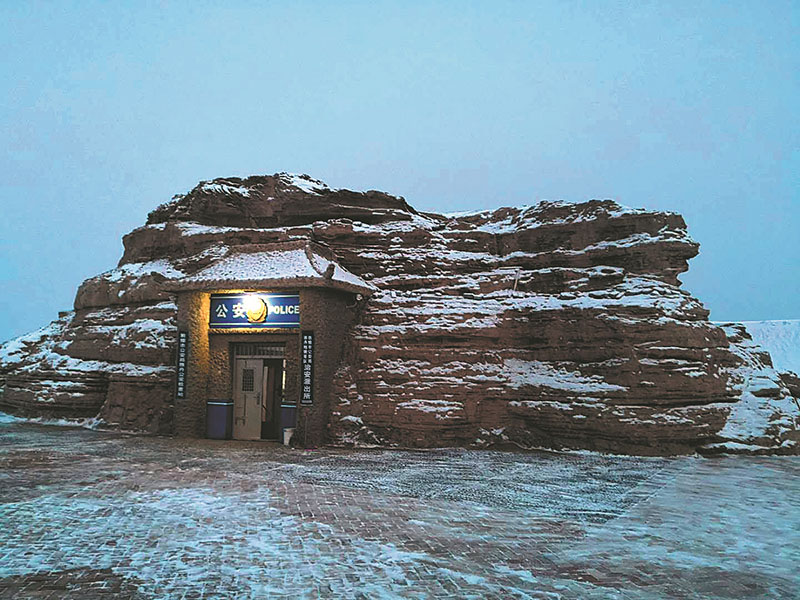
(278, 354)
(274, 373)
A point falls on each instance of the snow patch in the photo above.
(781, 339)
(304, 182)
(87, 423)
(441, 409)
(765, 414)
(38, 351)
(161, 267)
(523, 373)
(352, 419)
(15, 350)
(223, 188)
(274, 264)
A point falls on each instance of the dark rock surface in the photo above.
(557, 325)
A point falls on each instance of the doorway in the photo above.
(258, 389)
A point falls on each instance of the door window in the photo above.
(248, 380)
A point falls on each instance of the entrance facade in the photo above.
(262, 332)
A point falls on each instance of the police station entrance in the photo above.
(260, 411)
(260, 335)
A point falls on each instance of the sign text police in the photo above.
(254, 311)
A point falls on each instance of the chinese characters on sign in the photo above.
(307, 368)
(254, 311)
(183, 351)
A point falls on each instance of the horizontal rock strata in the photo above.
(557, 325)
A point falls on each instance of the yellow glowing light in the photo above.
(255, 308)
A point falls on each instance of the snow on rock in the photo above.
(290, 264)
(88, 423)
(221, 188)
(141, 334)
(561, 325)
(69, 369)
(304, 182)
(18, 349)
(442, 409)
(189, 228)
(286, 266)
(546, 212)
(781, 339)
(537, 374)
(135, 271)
(767, 416)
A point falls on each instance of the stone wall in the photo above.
(193, 311)
(330, 315)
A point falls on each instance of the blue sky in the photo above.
(108, 109)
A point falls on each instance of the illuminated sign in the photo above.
(254, 311)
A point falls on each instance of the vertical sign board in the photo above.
(307, 368)
(183, 352)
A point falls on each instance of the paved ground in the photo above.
(98, 515)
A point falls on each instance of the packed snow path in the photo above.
(88, 514)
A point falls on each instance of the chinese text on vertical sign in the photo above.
(307, 368)
(183, 350)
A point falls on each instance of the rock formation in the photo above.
(556, 325)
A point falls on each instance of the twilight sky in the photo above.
(108, 109)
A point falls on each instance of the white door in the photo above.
(247, 389)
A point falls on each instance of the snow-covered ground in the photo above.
(197, 518)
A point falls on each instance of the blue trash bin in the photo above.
(219, 419)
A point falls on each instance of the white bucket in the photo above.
(287, 435)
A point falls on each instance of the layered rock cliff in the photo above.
(557, 325)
